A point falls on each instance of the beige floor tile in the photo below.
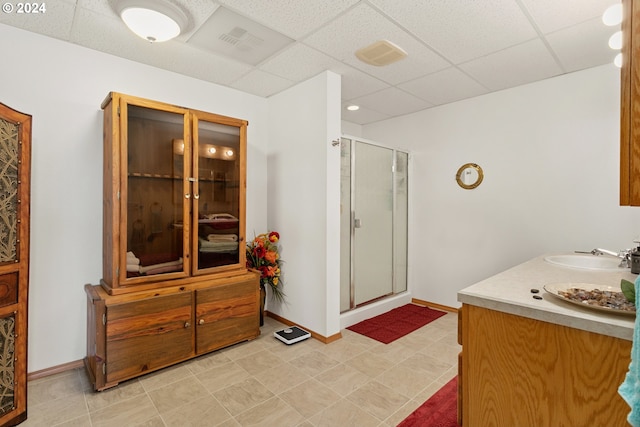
(273, 412)
(344, 414)
(165, 376)
(370, 364)
(314, 363)
(61, 385)
(208, 361)
(242, 396)
(310, 397)
(199, 412)
(405, 380)
(124, 391)
(343, 379)
(282, 377)
(56, 411)
(176, 394)
(131, 412)
(222, 376)
(259, 361)
(377, 399)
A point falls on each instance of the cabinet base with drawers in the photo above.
(137, 333)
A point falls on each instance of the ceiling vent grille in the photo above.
(236, 36)
(381, 53)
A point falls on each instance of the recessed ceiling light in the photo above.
(154, 21)
(613, 15)
(353, 107)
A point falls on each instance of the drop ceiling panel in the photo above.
(462, 30)
(553, 15)
(309, 62)
(55, 22)
(514, 66)
(355, 83)
(582, 46)
(261, 83)
(392, 102)
(363, 26)
(294, 18)
(444, 86)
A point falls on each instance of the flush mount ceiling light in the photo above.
(353, 107)
(380, 53)
(153, 20)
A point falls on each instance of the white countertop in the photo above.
(510, 292)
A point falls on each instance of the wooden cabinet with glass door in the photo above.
(174, 224)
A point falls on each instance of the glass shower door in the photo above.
(373, 223)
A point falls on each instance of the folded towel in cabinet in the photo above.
(133, 268)
(630, 388)
(222, 237)
(132, 259)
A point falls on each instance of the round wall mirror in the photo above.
(469, 176)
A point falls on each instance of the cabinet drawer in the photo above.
(148, 334)
(226, 315)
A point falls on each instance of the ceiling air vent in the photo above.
(236, 36)
(381, 53)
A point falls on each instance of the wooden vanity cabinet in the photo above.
(175, 283)
(517, 371)
(630, 105)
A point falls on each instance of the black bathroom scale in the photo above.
(292, 335)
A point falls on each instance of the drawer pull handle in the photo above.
(201, 321)
(187, 324)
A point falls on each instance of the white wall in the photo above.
(62, 86)
(304, 200)
(550, 154)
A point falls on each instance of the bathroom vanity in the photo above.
(541, 361)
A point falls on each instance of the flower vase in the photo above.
(263, 297)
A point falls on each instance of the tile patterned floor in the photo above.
(354, 381)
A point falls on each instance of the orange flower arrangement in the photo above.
(263, 255)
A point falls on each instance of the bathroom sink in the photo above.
(586, 262)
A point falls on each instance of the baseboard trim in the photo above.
(55, 370)
(321, 338)
(434, 305)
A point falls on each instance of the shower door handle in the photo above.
(357, 223)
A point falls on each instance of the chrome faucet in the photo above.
(623, 254)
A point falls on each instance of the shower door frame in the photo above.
(395, 287)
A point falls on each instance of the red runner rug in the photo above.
(396, 323)
(440, 410)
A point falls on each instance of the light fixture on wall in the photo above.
(613, 17)
(153, 20)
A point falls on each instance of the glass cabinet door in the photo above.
(157, 193)
(217, 209)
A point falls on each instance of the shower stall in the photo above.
(373, 223)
